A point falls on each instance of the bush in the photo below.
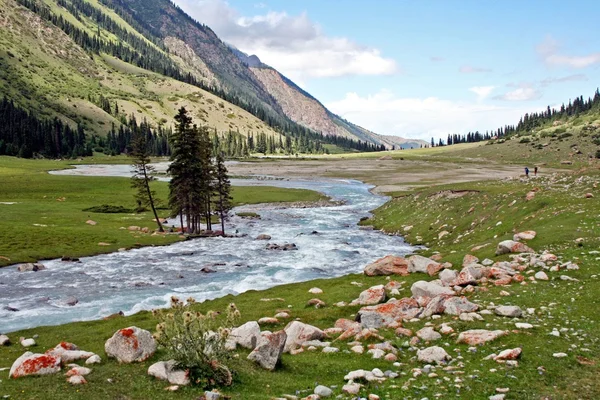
(597, 153)
(108, 209)
(525, 140)
(196, 341)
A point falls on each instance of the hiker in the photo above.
(535, 171)
(526, 172)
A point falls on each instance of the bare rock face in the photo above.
(246, 336)
(34, 364)
(476, 337)
(510, 246)
(130, 345)
(429, 289)
(422, 264)
(371, 296)
(268, 350)
(167, 371)
(388, 313)
(433, 354)
(388, 265)
(298, 332)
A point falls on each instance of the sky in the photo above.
(420, 69)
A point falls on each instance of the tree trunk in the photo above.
(181, 221)
(151, 200)
(222, 224)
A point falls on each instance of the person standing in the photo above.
(526, 172)
(535, 170)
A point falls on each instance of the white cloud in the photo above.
(422, 118)
(469, 69)
(523, 92)
(549, 52)
(482, 92)
(569, 78)
(293, 44)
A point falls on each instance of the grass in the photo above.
(47, 219)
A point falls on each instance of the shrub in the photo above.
(524, 140)
(597, 153)
(196, 341)
(108, 209)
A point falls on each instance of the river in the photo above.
(146, 278)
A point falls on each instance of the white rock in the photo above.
(315, 290)
(130, 345)
(330, 350)
(357, 349)
(298, 332)
(541, 276)
(323, 391)
(523, 325)
(77, 380)
(4, 340)
(166, 371)
(269, 349)
(245, 335)
(429, 289)
(509, 311)
(34, 364)
(351, 388)
(376, 353)
(559, 355)
(433, 354)
(27, 342)
(428, 334)
(78, 370)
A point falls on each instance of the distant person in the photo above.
(535, 171)
(526, 172)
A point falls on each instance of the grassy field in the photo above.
(42, 215)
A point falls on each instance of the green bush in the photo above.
(525, 140)
(196, 341)
(108, 209)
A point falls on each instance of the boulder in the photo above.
(428, 334)
(323, 391)
(435, 306)
(315, 290)
(422, 264)
(167, 371)
(30, 267)
(76, 380)
(459, 305)
(34, 364)
(527, 235)
(509, 311)
(68, 352)
(468, 259)
(433, 354)
(510, 246)
(263, 237)
(351, 388)
(246, 336)
(317, 303)
(388, 265)
(479, 336)
(429, 289)
(448, 275)
(385, 314)
(268, 321)
(78, 370)
(4, 340)
(298, 332)
(468, 276)
(373, 295)
(269, 348)
(95, 359)
(27, 342)
(130, 345)
(509, 354)
(541, 276)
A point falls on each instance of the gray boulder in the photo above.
(269, 349)
(246, 336)
(130, 345)
(429, 289)
(298, 332)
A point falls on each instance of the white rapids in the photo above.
(329, 244)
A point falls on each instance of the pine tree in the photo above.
(222, 188)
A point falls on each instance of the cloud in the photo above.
(522, 92)
(422, 118)
(468, 69)
(436, 59)
(294, 44)
(549, 51)
(482, 92)
(568, 78)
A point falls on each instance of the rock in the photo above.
(34, 364)
(429, 289)
(78, 370)
(27, 342)
(391, 357)
(329, 349)
(389, 265)
(403, 332)
(95, 359)
(510, 246)
(263, 237)
(509, 311)
(68, 352)
(522, 325)
(130, 345)
(4, 340)
(446, 329)
(589, 196)
(282, 315)
(134, 228)
(509, 354)
(469, 259)
(559, 355)
(448, 275)
(428, 334)
(435, 306)
(468, 276)
(30, 267)
(527, 235)
(541, 276)
(351, 388)
(77, 380)
(315, 290)
(166, 371)
(298, 332)
(459, 305)
(269, 348)
(479, 336)
(268, 321)
(548, 257)
(71, 301)
(385, 314)
(530, 196)
(317, 303)
(358, 349)
(373, 295)
(422, 264)
(376, 353)
(433, 354)
(245, 335)
(212, 395)
(90, 222)
(323, 391)
(316, 343)
(393, 285)
(498, 396)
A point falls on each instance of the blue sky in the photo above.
(420, 68)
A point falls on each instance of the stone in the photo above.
(403, 332)
(71, 301)
(316, 343)
(429, 289)
(373, 295)
(31, 267)
(391, 285)
(167, 371)
(130, 344)
(212, 395)
(476, 337)
(509, 354)
(468, 259)
(357, 349)
(388, 265)
(428, 334)
(446, 329)
(448, 275)
(589, 195)
(317, 303)
(323, 391)
(68, 352)
(498, 396)
(268, 350)
(351, 388)
(77, 380)
(510, 246)
(263, 236)
(468, 276)
(459, 305)
(282, 315)
(134, 228)
(77, 370)
(91, 222)
(541, 276)
(433, 354)
(95, 359)
(522, 325)
(548, 257)
(422, 264)
(388, 313)
(376, 353)
(509, 311)
(35, 364)
(559, 355)
(527, 235)
(434, 307)
(268, 321)
(245, 335)
(315, 290)
(27, 342)
(298, 332)
(4, 340)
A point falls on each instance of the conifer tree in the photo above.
(222, 188)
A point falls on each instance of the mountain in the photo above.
(90, 63)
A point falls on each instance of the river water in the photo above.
(143, 279)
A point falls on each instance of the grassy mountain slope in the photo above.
(45, 71)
